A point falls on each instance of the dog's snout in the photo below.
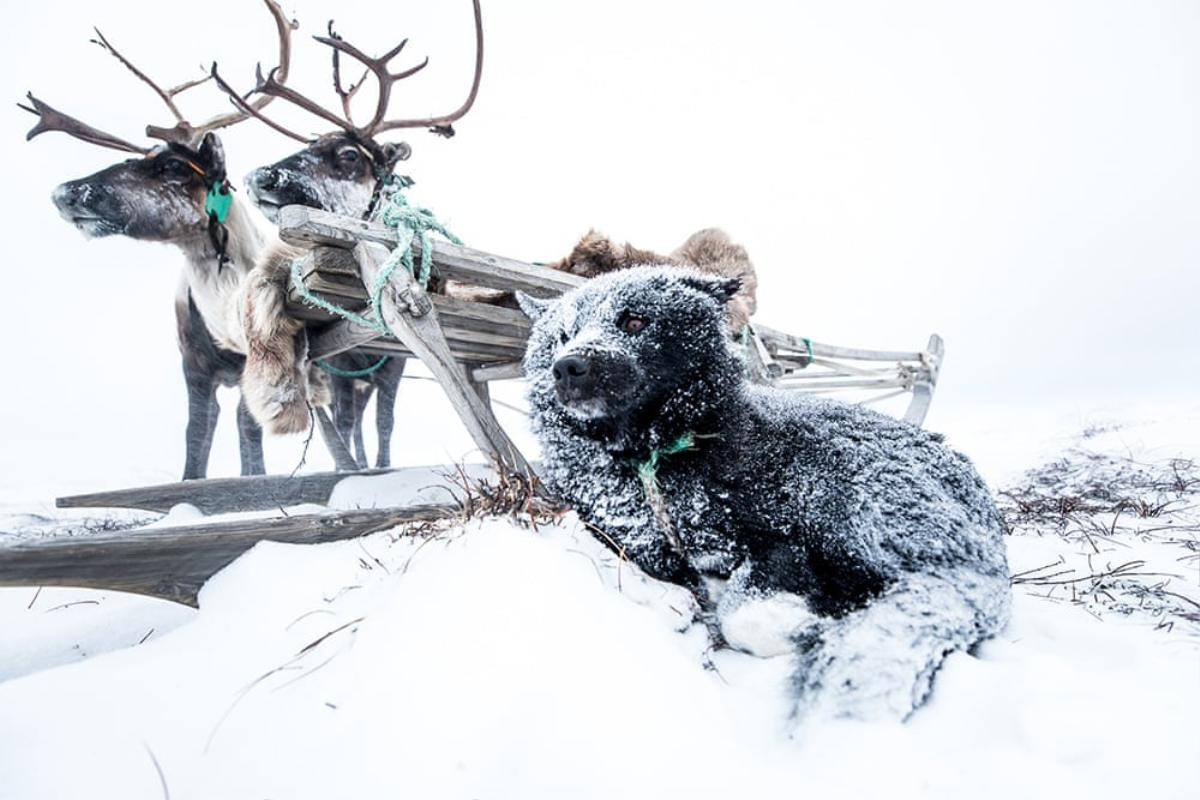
(569, 369)
(265, 180)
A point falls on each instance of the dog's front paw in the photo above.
(767, 626)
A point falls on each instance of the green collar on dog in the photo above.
(648, 470)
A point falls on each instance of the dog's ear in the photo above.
(720, 289)
(532, 306)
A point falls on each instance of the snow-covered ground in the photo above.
(497, 661)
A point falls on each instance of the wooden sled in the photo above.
(465, 345)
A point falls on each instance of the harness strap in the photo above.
(410, 223)
(353, 373)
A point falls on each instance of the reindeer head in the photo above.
(334, 173)
(171, 192)
(158, 197)
(343, 171)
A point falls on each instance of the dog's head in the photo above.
(610, 358)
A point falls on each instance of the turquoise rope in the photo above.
(353, 373)
(648, 469)
(409, 222)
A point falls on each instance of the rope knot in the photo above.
(409, 223)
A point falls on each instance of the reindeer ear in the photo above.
(721, 289)
(212, 154)
(396, 152)
(532, 306)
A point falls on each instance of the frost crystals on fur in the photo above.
(861, 539)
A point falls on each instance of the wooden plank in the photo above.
(305, 226)
(221, 495)
(338, 338)
(498, 372)
(173, 563)
(496, 317)
(835, 383)
(778, 339)
(414, 321)
(334, 262)
(478, 268)
(918, 408)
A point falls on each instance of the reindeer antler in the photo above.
(270, 86)
(50, 119)
(346, 94)
(166, 95)
(284, 27)
(183, 132)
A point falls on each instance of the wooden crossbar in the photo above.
(305, 226)
(173, 563)
(221, 495)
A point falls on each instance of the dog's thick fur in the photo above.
(874, 548)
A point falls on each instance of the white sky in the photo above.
(1021, 177)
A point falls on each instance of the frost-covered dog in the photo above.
(860, 542)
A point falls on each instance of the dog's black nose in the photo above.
(569, 369)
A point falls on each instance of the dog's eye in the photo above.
(633, 324)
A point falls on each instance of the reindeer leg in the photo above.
(203, 411)
(361, 398)
(344, 408)
(385, 409)
(250, 441)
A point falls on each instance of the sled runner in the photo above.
(465, 344)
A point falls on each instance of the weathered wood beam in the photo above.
(837, 383)
(460, 351)
(774, 338)
(305, 226)
(173, 563)
(222, 495)
(412, 318)
(918, 408)
(498, 372)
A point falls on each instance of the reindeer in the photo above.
(343, 172)
(178, 192)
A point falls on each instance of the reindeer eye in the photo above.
(632, 324)
(176, 168)
(348, 156)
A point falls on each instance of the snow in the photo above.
(1021, 178)
(496, 661)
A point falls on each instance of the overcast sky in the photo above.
(1021, 177)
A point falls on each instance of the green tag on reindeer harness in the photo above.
(217, 202)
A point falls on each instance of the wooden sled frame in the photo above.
(467, 344)
(464, 344)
